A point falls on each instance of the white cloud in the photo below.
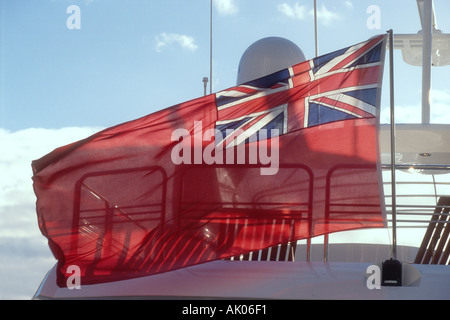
(166, 39)
(19, 149)
(412, 113)
(301, 12)
(295, 11)
(348, 4)
(440, 106)
(325, 16)
(226, 7)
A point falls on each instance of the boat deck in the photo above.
(264, 280)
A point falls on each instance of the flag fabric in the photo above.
(290, 156)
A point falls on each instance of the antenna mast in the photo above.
(210, 46)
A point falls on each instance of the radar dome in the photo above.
(267, 56)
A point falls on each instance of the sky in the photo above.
(66, 74)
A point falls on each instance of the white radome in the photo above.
(266, 56)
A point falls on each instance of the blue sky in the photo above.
(131, 58)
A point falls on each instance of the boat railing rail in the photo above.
(421, 217)
(417, 194)
(422, 201)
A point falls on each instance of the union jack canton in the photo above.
(334, 87)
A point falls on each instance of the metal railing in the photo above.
(418, 211)
(422, 203)
(417, 194)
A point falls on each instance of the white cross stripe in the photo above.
(250, 97)
(245, 134)
(335, 61)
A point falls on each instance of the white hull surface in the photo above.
(264, 280)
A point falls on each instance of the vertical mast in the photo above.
(316, 45)
(393, 151)
(210, 46)
(315, 28)
(426, 62)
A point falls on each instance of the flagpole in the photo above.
(391, 270)
(426, 59)
(308, 241)
(315, 28)
(210, 46)
(393, 178)
(316, 45)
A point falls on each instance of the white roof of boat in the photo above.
(264, 280)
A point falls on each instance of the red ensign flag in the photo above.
(289, 156)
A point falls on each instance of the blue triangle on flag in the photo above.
(320, 114)
(371, 56)
(367, 95)
(319, 62)
(232, 125)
